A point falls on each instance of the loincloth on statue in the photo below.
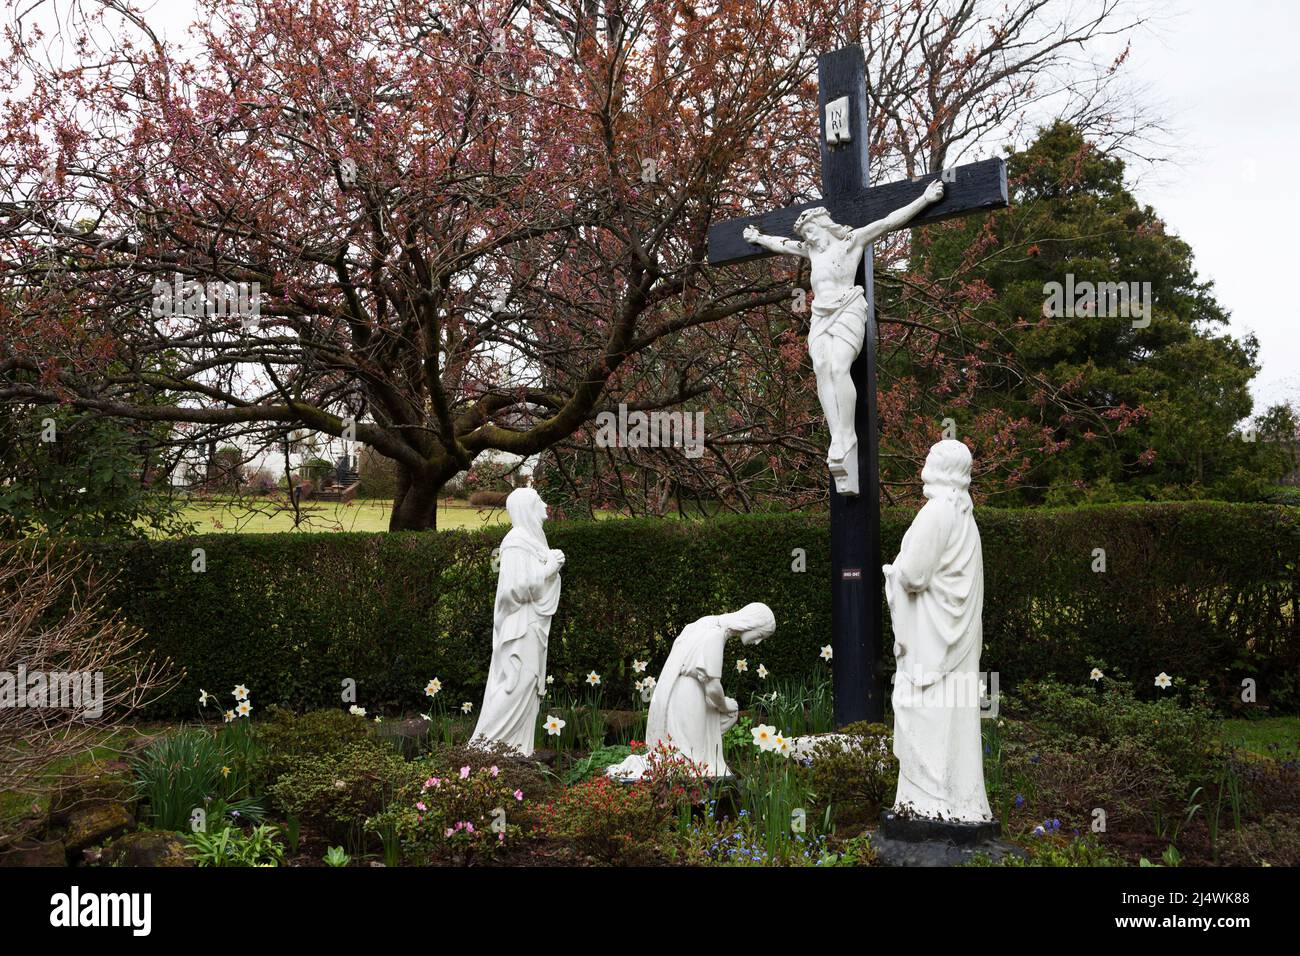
(842, 317)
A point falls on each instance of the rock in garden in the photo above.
(147, 848)
(36, 853)
(96, 823)
(89, 784)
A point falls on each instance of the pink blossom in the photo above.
(494, 770)
(421, 807)
(464, 773)
(519, 794)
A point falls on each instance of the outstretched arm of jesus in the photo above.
(788, 247)
(899, 217)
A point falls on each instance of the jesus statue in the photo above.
(839, 314)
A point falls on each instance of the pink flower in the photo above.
(449, 832)
(494, 770)
(469, 827)
(519, 794)
(421, 807)
(464, 773)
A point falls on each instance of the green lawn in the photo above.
(260, 516)
(1256, 735)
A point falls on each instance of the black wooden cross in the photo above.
(856, 581)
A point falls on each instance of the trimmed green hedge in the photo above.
(1204, 591)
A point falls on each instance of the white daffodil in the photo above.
(379, 719)
(742, 665)
(764, 737)
(433, 688)
(827, 653)
(550, 679)
(646, 688)
(1163, 680)
(638, 667)
(781, 744)
(593, 678)
(426, 718)
(467, 708)
(762, 671)
(553, 725)
(240, 692)
(204, 697)
(244, 708)
(1096, 674)
(229, 716)
(356, 711)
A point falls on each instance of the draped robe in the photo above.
(680, 715)
(521, 626)
(935, 590)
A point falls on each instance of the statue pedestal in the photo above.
(918, 841)
(845, 472)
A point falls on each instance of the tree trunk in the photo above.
(415, 506)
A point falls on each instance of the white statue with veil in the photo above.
(935, 590)
(839, 314)
(690, 711)
(528, 592)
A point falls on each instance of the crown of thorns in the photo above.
(820, 215)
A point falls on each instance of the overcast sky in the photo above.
(1224, 77)
(1227, 74)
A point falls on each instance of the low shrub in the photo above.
(464, 817)
(1176, 736)
(489, 499)
(286, 738)
(856, 771)
(516, 772)
(337, 792)
(1072, 780)
(609, 822)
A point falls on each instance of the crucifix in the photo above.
(835, 235)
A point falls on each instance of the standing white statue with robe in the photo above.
(528, 592)
(935, 589)
(690, 711)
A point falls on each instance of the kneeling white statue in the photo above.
(528, 592)
(935, 589)
(690, 711)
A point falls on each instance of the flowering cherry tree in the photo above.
(459, 227)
